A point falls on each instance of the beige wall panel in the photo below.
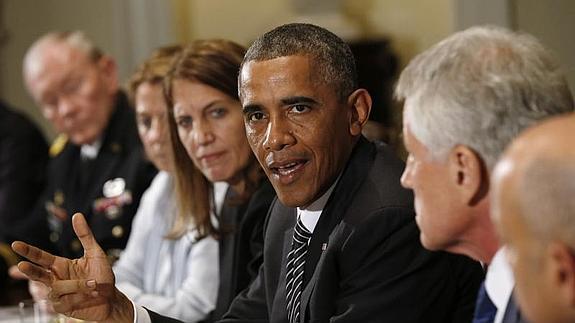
(553, 22)
(412, 25)
(238, 22)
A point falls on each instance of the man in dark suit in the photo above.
(23, 160)
(304, 114)
(534, 208)
(466, 98)
(354, 254)
(97, 165)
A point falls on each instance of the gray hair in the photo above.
(75, 39)
(480, 88)
(332, 56)
(546, 193)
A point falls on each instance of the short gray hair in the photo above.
(546, 193)
(75, 39)
(332, 56)
(480, 88)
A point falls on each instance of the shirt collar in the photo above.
(499, 282)
(90, 151)
(310, 214)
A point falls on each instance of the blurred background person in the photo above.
(97, 165)
(207, 131)
(534, 210)
(23, 160)
(175, 275)
(466, 98)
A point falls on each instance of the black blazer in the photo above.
(23, 161)
(365, 262)
(78, 186)
(241, 245)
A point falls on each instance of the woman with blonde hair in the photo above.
(166, 271)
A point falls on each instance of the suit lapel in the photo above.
(286, 221)
(342, 196)
(353, 176)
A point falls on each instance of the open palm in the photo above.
(81, 288)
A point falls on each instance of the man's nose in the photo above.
(406, 177)
(66, 107)
(278, 135)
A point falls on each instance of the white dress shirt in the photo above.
(499, 283)
(174, 277)
(310, 215)
(90, 151)
(140, 313)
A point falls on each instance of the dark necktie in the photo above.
(86, 166)
(295, 270)
(484, 308)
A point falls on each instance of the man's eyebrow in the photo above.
(250, 108)
(298, 100)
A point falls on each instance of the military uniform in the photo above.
(106, 189)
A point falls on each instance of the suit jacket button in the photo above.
(118, 231)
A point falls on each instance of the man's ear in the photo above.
(360, 104)
(109, 70)
(562, 270)
(469, 173)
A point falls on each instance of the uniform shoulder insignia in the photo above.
(58, 145)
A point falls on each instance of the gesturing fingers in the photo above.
(35, 272)
(36, 255)
(82, 230)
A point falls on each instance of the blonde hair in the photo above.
(153, 71)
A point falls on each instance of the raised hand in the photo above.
(81, 288)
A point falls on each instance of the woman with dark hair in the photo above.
(207, 131)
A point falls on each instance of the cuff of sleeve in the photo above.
(129, 290)
(140, 314)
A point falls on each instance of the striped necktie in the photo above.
(295, 269)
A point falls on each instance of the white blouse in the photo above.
(175, 278)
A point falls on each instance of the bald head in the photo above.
(539, 167)
(58, 44)
(534, 210)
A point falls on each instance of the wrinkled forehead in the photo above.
(282, 73)
(52, 57)
(49, 66)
